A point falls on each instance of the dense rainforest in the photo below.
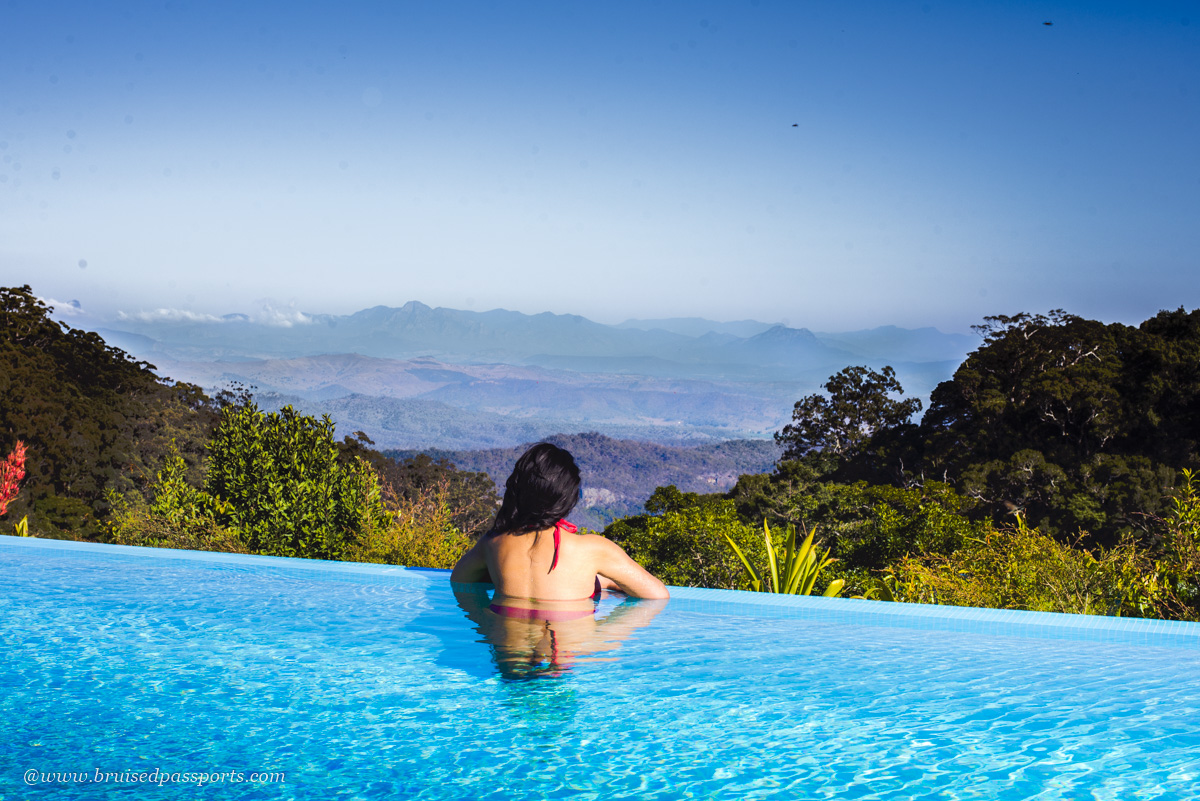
(1052, 471)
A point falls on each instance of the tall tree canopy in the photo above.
(859, 405)
(91, 417)
(1078, 424)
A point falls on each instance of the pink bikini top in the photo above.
(559, 527)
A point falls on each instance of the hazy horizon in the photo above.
(266, 311)
(74, 312)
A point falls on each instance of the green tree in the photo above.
(1046, 383)
(1076, 424)
(859, 405)
(670, 499)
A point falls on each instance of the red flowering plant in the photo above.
(12, 470)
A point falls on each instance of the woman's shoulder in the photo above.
(589, 536)
(593, 541)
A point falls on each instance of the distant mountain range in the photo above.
(417, 376)
(506, 337)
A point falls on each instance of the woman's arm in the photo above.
(472, 567)
(613, 564)
(605, 583)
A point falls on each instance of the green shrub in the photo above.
(1178, 565)
(687, 547)
(133, 522)
(1018, 567)
(274, 485)
(275, 478)
(874, 526)
(421, 532)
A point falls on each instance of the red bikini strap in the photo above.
(561, 525)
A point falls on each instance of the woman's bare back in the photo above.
(520, 567)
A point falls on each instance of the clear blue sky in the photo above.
(836, 165)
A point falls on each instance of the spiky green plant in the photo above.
(796, 572)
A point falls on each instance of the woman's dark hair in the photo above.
(543, 489)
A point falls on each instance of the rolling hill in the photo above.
(619, 475)
(415, 376)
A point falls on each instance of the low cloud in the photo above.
(267, 314)
(283, 318)
(168, 316)
(67, 308)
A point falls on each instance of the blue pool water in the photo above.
(374, 682)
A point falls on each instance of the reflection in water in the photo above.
(547, 706)
(533, 639)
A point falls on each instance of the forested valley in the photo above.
(1052, 472)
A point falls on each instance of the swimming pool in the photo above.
(360, 681)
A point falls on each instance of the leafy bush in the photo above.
(179, 516)
(874, 526)
(1018, 567)
(275, 478)
(274, 485)
(1179, 564)
(132, 522)
(686, 545)
(421, 533)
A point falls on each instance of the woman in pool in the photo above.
(532, 554)
(541, 619)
